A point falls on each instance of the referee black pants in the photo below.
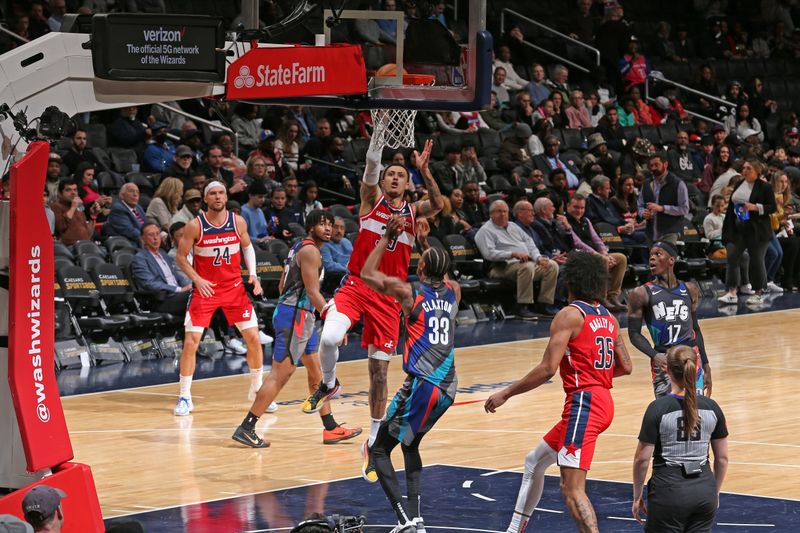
(676, 503)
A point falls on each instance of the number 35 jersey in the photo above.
(216, 252)
(668, 316)
(589, 360)
(429, 352)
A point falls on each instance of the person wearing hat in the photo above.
(11, 524)
(669, 308)
(183, 165)
(597, 154)
(719, 134)
(41, 507)
(253, 212)
(160, 153)
(190, 209)
(791, 138)
(53, 174)
(514, 150)
(633, 66)
(744, 124)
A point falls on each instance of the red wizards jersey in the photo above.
(216, 252)
(589, 361)
(397, 256)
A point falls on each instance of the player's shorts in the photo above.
(233, 300)
(381, 313)
(587, 413)
(415, 408)
(661, 384)
(295, 333)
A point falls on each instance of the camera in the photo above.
(335, 523)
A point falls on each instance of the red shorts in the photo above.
(587, 413)
(381, 313)
(233, 300)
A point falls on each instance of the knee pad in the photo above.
(335, 328)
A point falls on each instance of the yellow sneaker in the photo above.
(368, 471)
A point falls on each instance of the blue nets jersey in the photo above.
(294, 291)
(668, 316)
(429, 352)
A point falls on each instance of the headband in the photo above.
(667, 247)
(212, 185)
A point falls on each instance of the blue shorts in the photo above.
(295, 333)
(415, 409)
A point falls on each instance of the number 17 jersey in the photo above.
(216, 252)
(589, 360)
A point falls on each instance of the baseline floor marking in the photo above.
(729, 524)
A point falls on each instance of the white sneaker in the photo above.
(419, 524)
(408, 527)
(773, 287)
(236, 346)
(183, 407)
(756, 299)
(746, 289)
(272, 407)
(728, 298)
(263, 338)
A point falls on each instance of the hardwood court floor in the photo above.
(144, 458)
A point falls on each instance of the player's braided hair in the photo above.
(437, 263)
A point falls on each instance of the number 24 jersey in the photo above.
(216, 254)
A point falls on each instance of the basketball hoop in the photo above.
(395, 127)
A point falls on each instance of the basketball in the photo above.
(389, 69)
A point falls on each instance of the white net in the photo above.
(393, 128)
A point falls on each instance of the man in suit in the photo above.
(156, 271)
(127, 217)
(551, 159)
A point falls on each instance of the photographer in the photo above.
(683, 492)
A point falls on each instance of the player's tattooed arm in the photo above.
(699, 340)
(434, 203)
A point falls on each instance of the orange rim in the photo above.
(414, 79)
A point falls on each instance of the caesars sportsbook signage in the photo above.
(31, 365)
(158, 47)
(279, 72)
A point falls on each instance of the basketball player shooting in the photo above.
(381, 199)
(218, 240)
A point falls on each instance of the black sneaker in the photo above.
(315, 402)
(249, 438)
(524, 313)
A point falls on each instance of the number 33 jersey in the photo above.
(668, 316)
(216, 252)
(429, 352)
(589, 360)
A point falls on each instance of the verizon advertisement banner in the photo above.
(31, 370)
(297, 71)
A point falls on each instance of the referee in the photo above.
(683, 492)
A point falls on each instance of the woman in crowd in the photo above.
(711, 171)
(624, 201)
(743, 124)
(761, 105)
(457, 213)
(747, 227)
(308, 195)
(559, 117)
(247, 126)
(258, 169)
(677, 429)
(788, 245)
(165, 203)
(287, 144)
(88, 190)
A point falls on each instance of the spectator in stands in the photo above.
(712, 229)
(230, 159)
(643, 113)
(449, 173)
(735, 94)
(176, 232)
(247, 126)
(514, 256)
(514, 150)
(294, 206)
(743, 123)
(553, 230)
(287, 146)
(513, 81)
(559, 116)
(315, 147)
(160, 153)
(308, 197)
(213, 169)
(612, 40)
(577, 114)
(585, 238)
(761, 105)
(706, 83)
(87, 187)
(154, 270)
(388, 27)
(53, 174)
(475, 211)
(191, 207)
(611, 130)
(551, 159)
(559, 83)
(342, 176)
(165, 203)
(625, 202)
(71, 223)
(182, 166)
(336, 252)
(784, 241)
(48, 213)
(127, 216)
(684, 48)
(443, 224)
(11, 524)
(664, 202)
(277, 216)
(499, 87)
(471, 167)
(79, 152)
(41, 508)
(581, 23)
(58, 8)
(721, 161)
(558, 189)
(597, 154)
(600, 208)
(457, 204)
(537, 87)
(264, 167)
(524, 217)
(127, 131)
(596, 110)
(493, 116)
(747, 227)
(680, 160)
(253, 213)
(633, 67)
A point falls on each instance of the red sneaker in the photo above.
(338, 434)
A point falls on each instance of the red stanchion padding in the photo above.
(279, 72)
(31, 321)
(81, 508)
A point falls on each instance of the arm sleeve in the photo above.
(637, 339)
(698, 339)
(372, 171)
(250, 259)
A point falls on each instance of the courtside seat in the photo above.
(116, 291)
(81, 292)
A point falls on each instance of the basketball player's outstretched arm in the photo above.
(565, 326)
(190, 236)
(622, 361)
(434, 203)
(637, 300)
(248, 254)
(370, 189)
(377, 280)
(699, 341)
